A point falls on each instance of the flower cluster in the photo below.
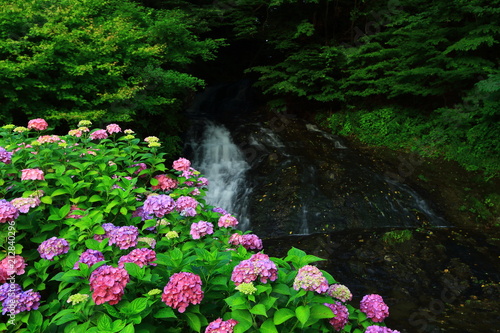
(181, 164)
(159, 205)
(19, 301)
(258, 266)
(221, 326)
(8, 212)
(113, 128)
(99, 134)
(186, 205)
(38, 124)
(219, 210)
(148, 240)
(165, 183)
(77, 298)
(9, 288)
(24, 204)
(124, 237)
(310, 278)
(141, 166)
(341, 315)
(246, 288)
(32, 174)
(10, 266)
(183, 288)
(141, 257)
(248, 241)
(89, 257)
(374, 307)
(5, 156)
(379, 329)
(48, 139)
(340, 292)
(227, 221)
(108, 284)
(53, 247)
(200, 229)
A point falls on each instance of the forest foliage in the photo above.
(407, 74)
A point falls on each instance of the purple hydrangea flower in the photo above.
(21, 301)
(9, 288)
(89, 257)
(53, 247)
(374, 307)
(341, 315)
(221, 326)
(219, 210)
(8, 212)
(159, 205)
(5, 156)
(248, 241)
(124, 237)
(258, 266)
(379, 329)
(108, 228)
(201, 229)
(310, 278)
(139, 212)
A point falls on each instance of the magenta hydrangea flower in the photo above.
(159, 205)
(5, 156)
(374, 307)
(227, 221)
(248, 241)
(21, 301)
(99, 134)
(183, 289)
(201, 229)
(108, 284)
(8, 212)
(310, 278)
(10, 266)
(141, 257)
(258, 266)
(341, 315)
(124, 237)
(38, 124)
(221, 326)
(165, 183)
(24, 204)
(186, 206)
(53, 247)
(89, 257)
(202, 182)
(113, 128)
(108, 228)
(379, 329)
(340, 292)
(181, 164)
(32, 174)
(9, 288)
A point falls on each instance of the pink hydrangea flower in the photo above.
(202, 182)
(159, 205)
(75, 132)
(89, 257)
(201, 229)
(53, 247)
(74, 208)
(379, 329)
(32, 174)
(142, 166)
(248, 241)
(99, 134)
(186, 205)
(340, 292)
(8, 212)
(24, 204)
(38, 124)
(10, 266)
(21, 301)
(258, 266)
(141, 257)
(183, 289)
(221, 326)
(374, 307)
(165, 183)
(310, 278)
(49, 139)
(227, 221)
(113, 128)
(5, 156)
(108, 284)
(341, 315)
(181, 164)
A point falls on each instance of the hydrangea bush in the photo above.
(99, 234)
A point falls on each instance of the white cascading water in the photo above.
(223, 164)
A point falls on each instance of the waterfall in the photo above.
(220, 160)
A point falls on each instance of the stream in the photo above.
(295, 185)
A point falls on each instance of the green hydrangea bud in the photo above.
(77, 298)
(246, 288)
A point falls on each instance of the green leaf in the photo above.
(95, 198)
(128, 329)
(282, 315)
(104, 323)
(58, 191)
(303, 312)
(320, 311)
(193, 321)
(259, 309)
(138, 305)
(268, 327)
(165, 313)
(134, 270)
(46, 200)
(282, 289)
